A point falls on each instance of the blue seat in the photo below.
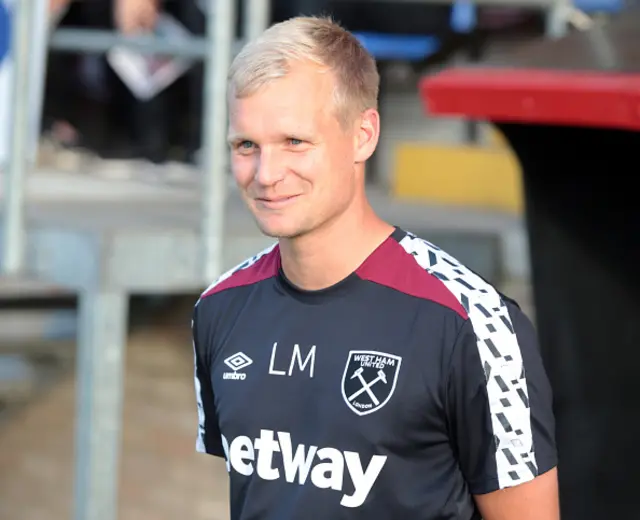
(398, 46)
(599, 6)
(417, 47)
(5, 30)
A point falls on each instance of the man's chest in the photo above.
(335, 373)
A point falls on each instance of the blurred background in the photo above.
(115, 163)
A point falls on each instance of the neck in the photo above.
(329, 254)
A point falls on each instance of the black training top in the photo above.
(395, 394)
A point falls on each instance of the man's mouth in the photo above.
(275, 202)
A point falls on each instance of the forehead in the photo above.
(302, 100)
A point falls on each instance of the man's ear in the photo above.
(367, 134)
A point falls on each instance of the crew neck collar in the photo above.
(336, 290)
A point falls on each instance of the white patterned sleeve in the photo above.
(499, 401)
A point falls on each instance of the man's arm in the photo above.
(533, 500)
(501, 419)
(208, 439)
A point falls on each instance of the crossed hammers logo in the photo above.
(366, 387)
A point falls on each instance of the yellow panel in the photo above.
(462, 175)
(497, 138)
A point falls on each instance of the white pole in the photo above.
(256, 18)
(220, 35)
(14, 219)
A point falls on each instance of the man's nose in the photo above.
(269, 169)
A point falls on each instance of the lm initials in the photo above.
(296, 358)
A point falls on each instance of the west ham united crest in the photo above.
(369, 380)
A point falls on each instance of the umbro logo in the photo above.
(236, 362)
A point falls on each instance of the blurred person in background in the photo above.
(89, 107)
(127, 16)
(354, 370)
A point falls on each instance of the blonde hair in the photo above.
(318, 40)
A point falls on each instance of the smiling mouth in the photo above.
(275, 202)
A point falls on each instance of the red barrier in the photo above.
(597, 99)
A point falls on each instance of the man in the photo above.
(354, 370)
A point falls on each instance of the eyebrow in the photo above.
(236, 138)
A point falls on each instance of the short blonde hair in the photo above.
(318, 40)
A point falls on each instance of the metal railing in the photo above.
(215, 49)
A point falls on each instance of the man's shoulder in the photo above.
(454, 284)
(255, 269)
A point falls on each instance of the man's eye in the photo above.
(294, 141)
(245, 145)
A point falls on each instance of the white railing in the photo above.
(94, 485)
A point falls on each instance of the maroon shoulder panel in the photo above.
(393, 267)
(252, 271)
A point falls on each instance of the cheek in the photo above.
(321, 164)
(338, 164)
(308, 165)
(243, 169)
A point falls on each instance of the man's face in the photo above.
(292, 160)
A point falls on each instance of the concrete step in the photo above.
(18, 378)
(429, 158)
(28, 370)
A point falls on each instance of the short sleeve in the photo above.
(209, 439)
(499, 401)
